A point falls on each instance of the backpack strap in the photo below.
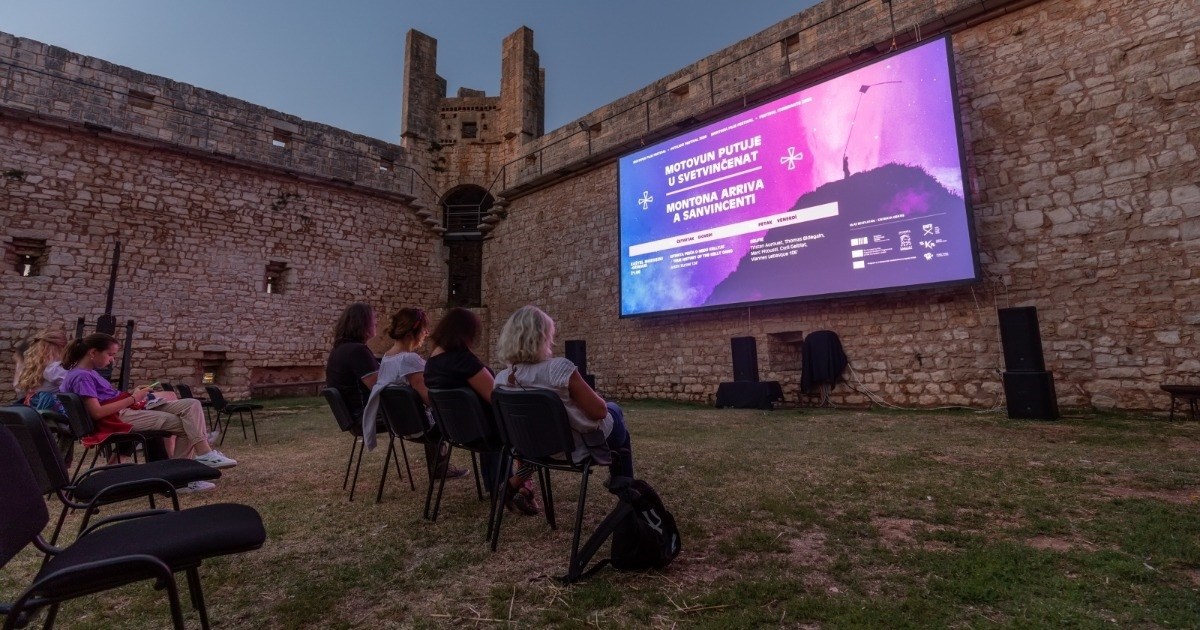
(594, 542)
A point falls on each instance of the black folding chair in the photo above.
(81, 426)
(534, 428)
(114, 551)
(225, 408)
(105, 485)
(464, 423)
(20, 494)
(349, 424)
(408, 422)
(185, 391)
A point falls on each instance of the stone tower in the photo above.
(461, 146)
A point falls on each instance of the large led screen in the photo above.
(853, 185)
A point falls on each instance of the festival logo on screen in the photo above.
(851, 185)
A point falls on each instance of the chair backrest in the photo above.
(337, 405)
(216, 397)
(77, 415)
(25, 509)
(463, 418)
(60, 428)
(403, 410)
(38, 445)
(533, 422)
(184, 390)
(166, 387)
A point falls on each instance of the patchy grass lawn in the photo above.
(804, 518)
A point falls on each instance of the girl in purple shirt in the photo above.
(184, 418)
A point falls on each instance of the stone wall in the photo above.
(1079, 118)
(1081, 133)
(197, 236)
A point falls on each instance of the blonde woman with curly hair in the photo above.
(527, 346)
(42, 371)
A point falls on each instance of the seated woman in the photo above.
(401, 365)
(452, 365)
(351, 366)
(114, 411)
(526, 345)
(41, 371)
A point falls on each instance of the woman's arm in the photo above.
(483, 383)
(586, 398)
(370, 379)
(416, 380)
(97, 411)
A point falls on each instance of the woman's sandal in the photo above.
(521, 500)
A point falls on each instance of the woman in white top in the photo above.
(41, 370)
(401, 365)
(527, 346)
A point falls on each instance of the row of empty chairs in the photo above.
(530, 425)
(114, 551)
(222, 408)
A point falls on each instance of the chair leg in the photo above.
(497, 497)
(228, 421)
(79, 466)
(349, 462)
(242, 421)
(396, 456)
(386, 462)
(357, 466)
(62, 517)
(51, 615)
(441, 477)
(193, 576)
(253, 426)
(547, 497)
(475, 469)
(96, 455)
(498, 501)
(173, 600)
(411, 482)
(583, 485)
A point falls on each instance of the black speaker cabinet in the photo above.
(577, 354)
(745, 359)
(1030, 395)
(1021, 340)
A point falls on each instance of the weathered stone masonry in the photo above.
(202, 199)
(1081, 130)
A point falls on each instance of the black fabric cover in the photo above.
(178, 472)
(180, 539)
(749, 395)
(823, 361)
(24, 509)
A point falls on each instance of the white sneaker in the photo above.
(196, 486)
(213, 436)
(216, 459)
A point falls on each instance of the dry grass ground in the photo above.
(815, 519)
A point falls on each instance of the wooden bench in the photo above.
(1189, 393)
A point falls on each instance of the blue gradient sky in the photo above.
(343, 63)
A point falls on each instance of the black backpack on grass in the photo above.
(643, 531)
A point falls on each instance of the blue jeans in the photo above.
(619, 441)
